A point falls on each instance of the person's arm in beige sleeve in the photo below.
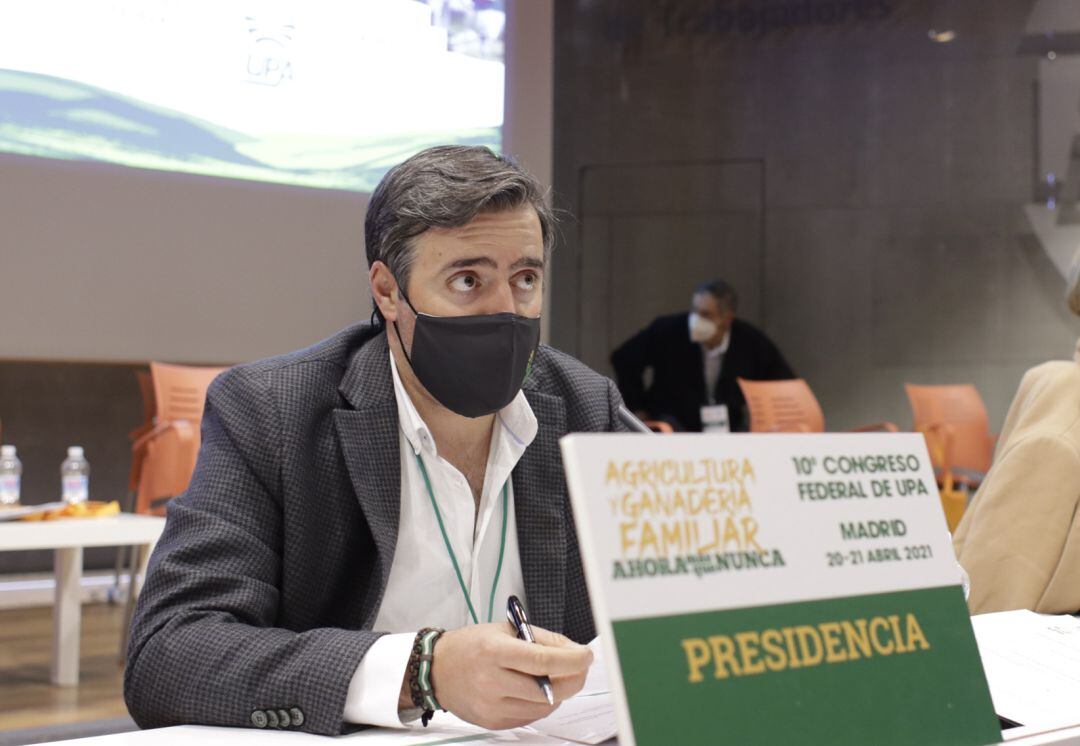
(1019, 528)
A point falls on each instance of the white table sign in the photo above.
(773, 588)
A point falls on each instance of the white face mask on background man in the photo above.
(701, 329)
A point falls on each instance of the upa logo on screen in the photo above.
(269, 61)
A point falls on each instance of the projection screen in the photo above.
(187, 180)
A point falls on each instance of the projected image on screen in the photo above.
(322, 93)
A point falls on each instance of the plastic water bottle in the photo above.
(75, 476)
(10, 476)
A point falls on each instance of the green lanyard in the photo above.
(450, 550)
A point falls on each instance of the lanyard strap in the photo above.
(450, 550)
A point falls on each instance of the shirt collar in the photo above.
(720, 349)
(516, 420)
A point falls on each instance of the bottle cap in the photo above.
(7, 451)
(75, 452)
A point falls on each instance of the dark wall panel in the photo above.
(890, 183)
(46, 407)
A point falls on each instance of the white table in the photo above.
(183, 735)
(68, 537)
(186, 734)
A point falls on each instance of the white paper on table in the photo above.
(446, 726)
(1032, 664)
(589, 716)
(596, 680)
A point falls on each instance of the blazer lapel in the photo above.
(368, 435)
(540, 508)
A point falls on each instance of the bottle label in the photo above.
(76, 489)
(9, 489)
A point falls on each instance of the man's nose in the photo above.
(501, 300)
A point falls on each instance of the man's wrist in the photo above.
(418, 686)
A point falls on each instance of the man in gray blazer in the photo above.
(354, 499)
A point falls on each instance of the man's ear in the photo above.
(384, 291)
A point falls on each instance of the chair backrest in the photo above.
(782, 406)
(180, 391)
(954, 404)
(149, 408)
(960, 409)
(162, 468)
(149, 403)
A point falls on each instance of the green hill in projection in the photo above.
(52, 117)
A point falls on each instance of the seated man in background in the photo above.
(1019, 539)
(695, 358)
(354, 499)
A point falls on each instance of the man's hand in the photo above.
(484, 674)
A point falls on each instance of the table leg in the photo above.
(144, 561)
(67, 615)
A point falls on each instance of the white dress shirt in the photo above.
(423, 589)
(714, 359)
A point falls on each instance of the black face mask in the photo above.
(472, 365)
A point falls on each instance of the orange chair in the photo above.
(146, 391)
(782, 406)
(954, 422)
(163, 457)
(149, 407)
(789, 406)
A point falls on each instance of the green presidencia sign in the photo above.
(758, 589)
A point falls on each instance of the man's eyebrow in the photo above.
(471, 261)
(528, 261)
(484, 261)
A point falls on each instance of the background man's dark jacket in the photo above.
(678, 386)
(264, 587)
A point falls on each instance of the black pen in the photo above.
(515, 613)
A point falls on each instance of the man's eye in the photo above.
(464, 283)
(527, 281)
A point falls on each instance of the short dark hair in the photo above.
(445, 187)
(725, 294)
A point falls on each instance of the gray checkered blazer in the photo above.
(262, 592)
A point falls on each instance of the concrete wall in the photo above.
(861, 185)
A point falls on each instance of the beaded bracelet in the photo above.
(420, 689)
